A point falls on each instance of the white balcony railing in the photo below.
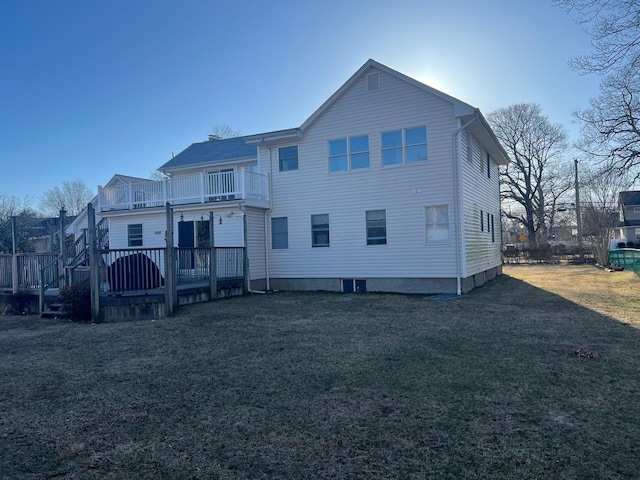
(240, 184)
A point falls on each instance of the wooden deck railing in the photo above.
(201, 188)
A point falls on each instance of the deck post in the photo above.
(213, 261)
(63, 247)
(170, 274)
(245, 254)
(15, 280)
(94, 264)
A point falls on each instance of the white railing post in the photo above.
(130, 196)
(243, 183)
(201, 187)
(164, 191)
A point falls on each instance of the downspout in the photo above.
(266, 218)
(458, 202)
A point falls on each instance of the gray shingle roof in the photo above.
(631, 198)
(211, 152)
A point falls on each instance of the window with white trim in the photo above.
(134, 235)
(288, 158)
(402, 147)
(437, 224)
(376, 227)
(320, 230)
(279, 233)
(343, 159)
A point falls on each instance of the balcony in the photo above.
(240, 184)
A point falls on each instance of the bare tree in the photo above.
(530, 180)
(599, 205)
(11, 207)
(224, 130)
(611, 125)
(614, 28)
(73, 196)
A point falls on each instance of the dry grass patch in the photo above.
(615, 294)
(313, 385)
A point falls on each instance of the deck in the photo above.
(241, 184)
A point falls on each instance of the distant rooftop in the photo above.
(630, 198)
(212, 151)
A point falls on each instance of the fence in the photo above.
(122, 270)
(22, 271)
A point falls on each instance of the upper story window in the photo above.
(349, 154)
(404, 146)
(488, 166)
(134, 235)
(288, 157)
(636, 209)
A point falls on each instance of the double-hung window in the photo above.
(376, 227)
(134, 235)
(320, 230)
(288, 158)
(404, 146)
(437, 224)
(279, 233)
(349, 154)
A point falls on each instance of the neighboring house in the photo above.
(46, 235)
(390, 186)
(630, 217)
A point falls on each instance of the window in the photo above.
(279, 233)
(481, 221)
(636, 209)
(357, 158)
(288, 157)
(392, 148)
(493, 230)
(488, 166)
(376, 227)
(320, 230)
(134, 235)
(404, 146)
(203, 239)
(437, 224)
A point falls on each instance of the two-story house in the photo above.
(630, 217)
(389, 186)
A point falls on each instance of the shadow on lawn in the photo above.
(309, 385)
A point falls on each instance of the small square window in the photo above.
(288, 157)
(134, 235)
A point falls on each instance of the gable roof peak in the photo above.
(460, 108)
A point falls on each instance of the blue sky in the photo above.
(90, 88)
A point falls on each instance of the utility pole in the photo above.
(578, 216)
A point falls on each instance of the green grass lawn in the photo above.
(319, 385)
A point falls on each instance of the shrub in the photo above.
(19, 302)
(76, 301)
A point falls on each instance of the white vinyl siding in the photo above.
(480, 207)
(401, 192)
